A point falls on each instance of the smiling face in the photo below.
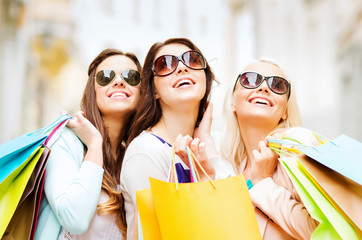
(183, 85)
(117, 97)
(260, 105)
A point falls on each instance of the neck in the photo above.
(251, 136)
(114, 126)
(174, 122)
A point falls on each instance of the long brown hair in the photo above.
(149, 111)
(112, 165)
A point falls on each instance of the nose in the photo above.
(118, 81)
(181, 67)
(263, 87)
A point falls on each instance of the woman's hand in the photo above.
(199, 149)
(265, 162)
(203, 130)
(90, 136)
(85, 130)
(203, 133)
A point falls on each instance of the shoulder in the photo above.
(67, 144)
(68, 137)
(146, 152)
(281, 177)
(145, 143)
(302, 135)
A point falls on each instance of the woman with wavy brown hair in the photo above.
(82, 198)
(176, 83)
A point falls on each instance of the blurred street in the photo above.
(47, 45)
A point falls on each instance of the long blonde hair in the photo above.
(232, 146)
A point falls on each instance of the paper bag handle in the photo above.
(200, 166)
(193, 160)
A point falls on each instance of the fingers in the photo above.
(208, 112)
(199, 149)
(181, 143)
(195, 145)
(262, 146)
(265, 162)
(72, 123)
(180, 147)
(276, 136)
(256, 154)
(203, 130)
(264, 152)
(78, 119)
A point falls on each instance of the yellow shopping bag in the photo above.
(219, 209)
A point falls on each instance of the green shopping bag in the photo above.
(332, 224)
(24, 219)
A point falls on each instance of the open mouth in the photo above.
(118, 94)
(183, 82)
(261, 101)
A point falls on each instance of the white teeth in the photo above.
(183, 82)
(260, 100)
(118, 94)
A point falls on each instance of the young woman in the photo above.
(176, 82)
(82, 198)
(263, 102)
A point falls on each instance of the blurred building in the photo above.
(349, 67)
(37, 58)
(46, 46)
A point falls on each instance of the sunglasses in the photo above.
(167, 64)
(105, 77)
(253, 80)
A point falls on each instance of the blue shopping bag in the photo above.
(343, 155)
(15, 152)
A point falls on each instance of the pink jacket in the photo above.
(279, 211)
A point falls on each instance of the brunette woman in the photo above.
(82, 200)
(176, 83)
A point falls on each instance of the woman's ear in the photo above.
(156, 95)
(233, 107)
(285, 115)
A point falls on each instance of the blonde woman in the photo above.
(263, 102)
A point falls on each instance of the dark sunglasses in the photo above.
(253, 80)
(105, 77)
(167, 64)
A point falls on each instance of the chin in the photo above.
(265, 117)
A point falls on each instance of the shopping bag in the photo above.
(20, 178)
(332, 224)
(25, 217)
(332, 153)
(148, 228)
(338, 199)
(344, 194)
(219, 209)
